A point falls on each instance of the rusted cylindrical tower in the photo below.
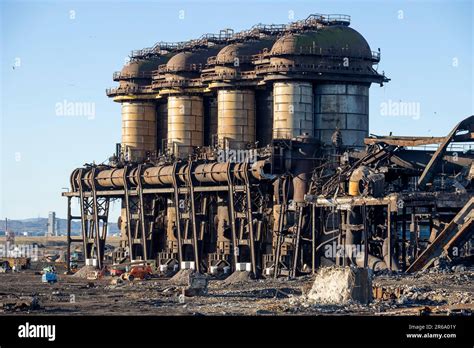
(292, 109)
(236, 118)
(141, 115)
(236, 98)
(185, 123)
(185, 106)
(321, 80)
(138, 129)
(344, 107)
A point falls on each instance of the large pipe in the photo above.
(302, 165)
(108, 178)
(160, 175)
(214, 172)
(374, 263)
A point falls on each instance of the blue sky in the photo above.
(50, 54)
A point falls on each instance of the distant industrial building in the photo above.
(52, 224)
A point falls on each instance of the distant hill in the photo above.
(39, 226)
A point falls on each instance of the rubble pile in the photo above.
(85, 271)
(182, 277)
(238, 278)
(21, 304)
(339, 285)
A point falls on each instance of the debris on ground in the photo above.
(197, 285)
(238, 278)
(22, 304)
(85, 272)
(444, 291)
(182, 277)
(116, 281)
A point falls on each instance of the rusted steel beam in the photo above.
(95, 212)
(417, 141)
(192, 215)
(249, 214)
(84, 212)
(462, 223)
(232, 216)
(403, 141)
(170, 190)
(69, 241)
(177, 213)
(141, 202)
(127, 210)
(430, 169)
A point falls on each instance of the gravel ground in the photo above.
(443, 292)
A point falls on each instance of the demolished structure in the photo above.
(250, 151)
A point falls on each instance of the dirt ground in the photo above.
(443, 291)
(437, 293)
